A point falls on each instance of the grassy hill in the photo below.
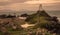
(43, 22)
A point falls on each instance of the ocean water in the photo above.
(51, 13)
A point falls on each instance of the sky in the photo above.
(32, 5)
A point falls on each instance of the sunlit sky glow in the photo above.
(17, 5)
(41, 1)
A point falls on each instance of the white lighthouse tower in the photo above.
(40, 7)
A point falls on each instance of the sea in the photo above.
(51, 13)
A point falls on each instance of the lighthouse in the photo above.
(40, 7)
(42, 12)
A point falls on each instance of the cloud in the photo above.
(41, 1)
(18, 5)
(7, 2)
(18, 1)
